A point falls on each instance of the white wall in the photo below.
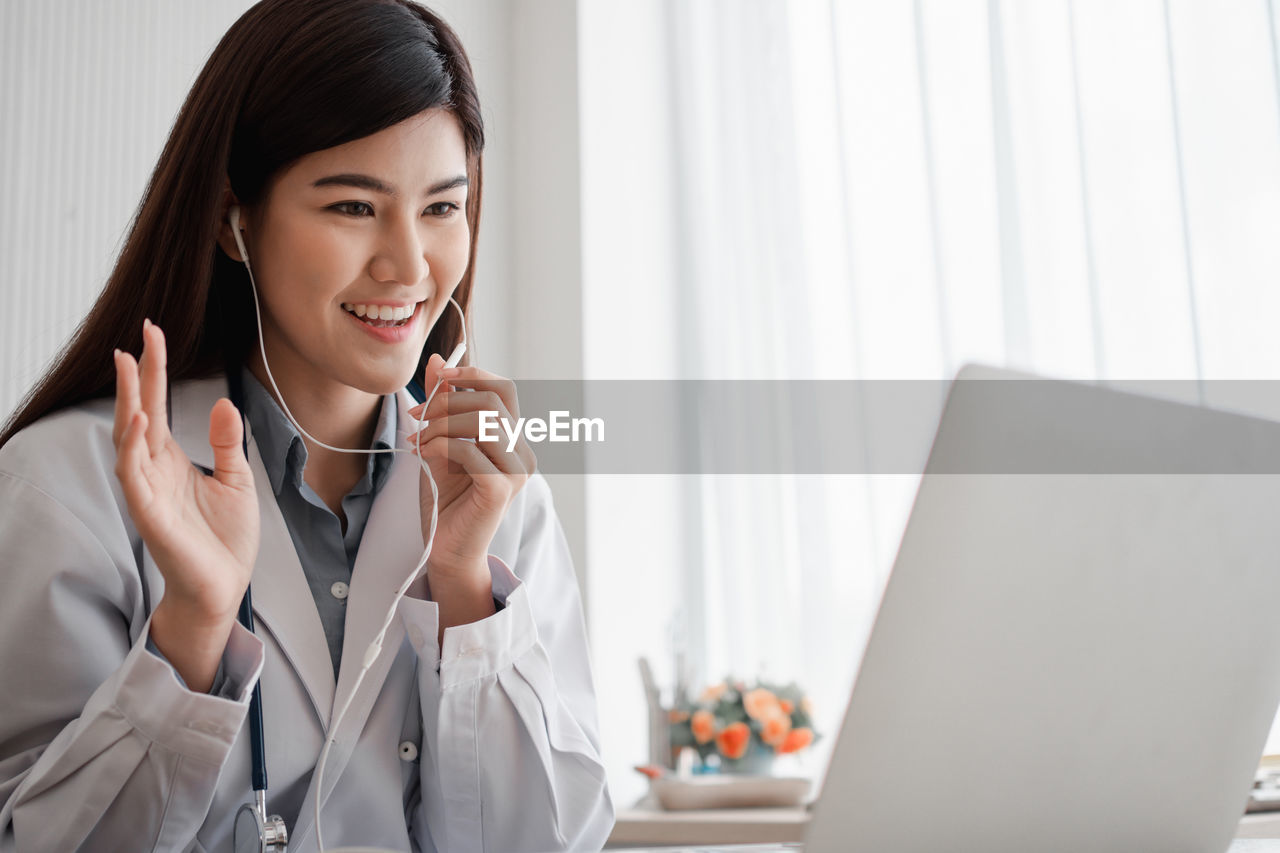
(88, 91)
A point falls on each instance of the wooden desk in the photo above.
(1259, 825)
(645, 827)
(651, 827)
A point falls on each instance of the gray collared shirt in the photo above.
(327, 553)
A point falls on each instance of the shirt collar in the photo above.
(284, 454)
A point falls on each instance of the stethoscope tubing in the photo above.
(257, 739)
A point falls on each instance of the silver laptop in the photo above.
(1078, 648)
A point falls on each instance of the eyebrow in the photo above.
(367, 182)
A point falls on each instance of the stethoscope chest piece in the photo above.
(257, 833)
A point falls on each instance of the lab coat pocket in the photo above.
(564, 734)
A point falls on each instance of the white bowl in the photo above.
(722, 791)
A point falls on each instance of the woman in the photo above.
(346, 137)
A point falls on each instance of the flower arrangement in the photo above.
(737, 723)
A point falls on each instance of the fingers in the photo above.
(494, 488)
(465, 427)
(476, 379)
(429, 378)
(459, 415)
(127, 400)
(132, 458)
(489, 392)
(154, 386)
(226, 436)
(450, 477)
(458, 402)
(433, 365)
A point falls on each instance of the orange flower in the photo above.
(775, 730)
(796, 740)
(713, 693)
(677, 716)
(733, 740)
(787, 706)
(760, 703)
(703, 726)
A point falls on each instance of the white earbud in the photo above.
(456, 355)
(233, 216)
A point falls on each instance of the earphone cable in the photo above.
(375, 647)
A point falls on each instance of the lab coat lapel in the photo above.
(279, 585)
(389, 549)
(283, 602)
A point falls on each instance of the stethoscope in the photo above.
(254, 830)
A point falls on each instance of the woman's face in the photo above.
(373, 228)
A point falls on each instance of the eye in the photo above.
(443, 209)
(353, 208)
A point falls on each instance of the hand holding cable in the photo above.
(476, 482)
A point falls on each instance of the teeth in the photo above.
(382, 313)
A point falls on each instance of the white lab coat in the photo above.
(490, 743)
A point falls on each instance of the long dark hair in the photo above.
(289, 78)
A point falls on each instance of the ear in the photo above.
(225, 238)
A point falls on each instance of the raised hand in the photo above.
(201, 530)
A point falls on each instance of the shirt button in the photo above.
(408, 752)
(339, 590)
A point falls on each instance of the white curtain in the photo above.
(873, 190)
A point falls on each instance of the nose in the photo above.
(401, 257)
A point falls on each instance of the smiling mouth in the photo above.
(381, 316)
